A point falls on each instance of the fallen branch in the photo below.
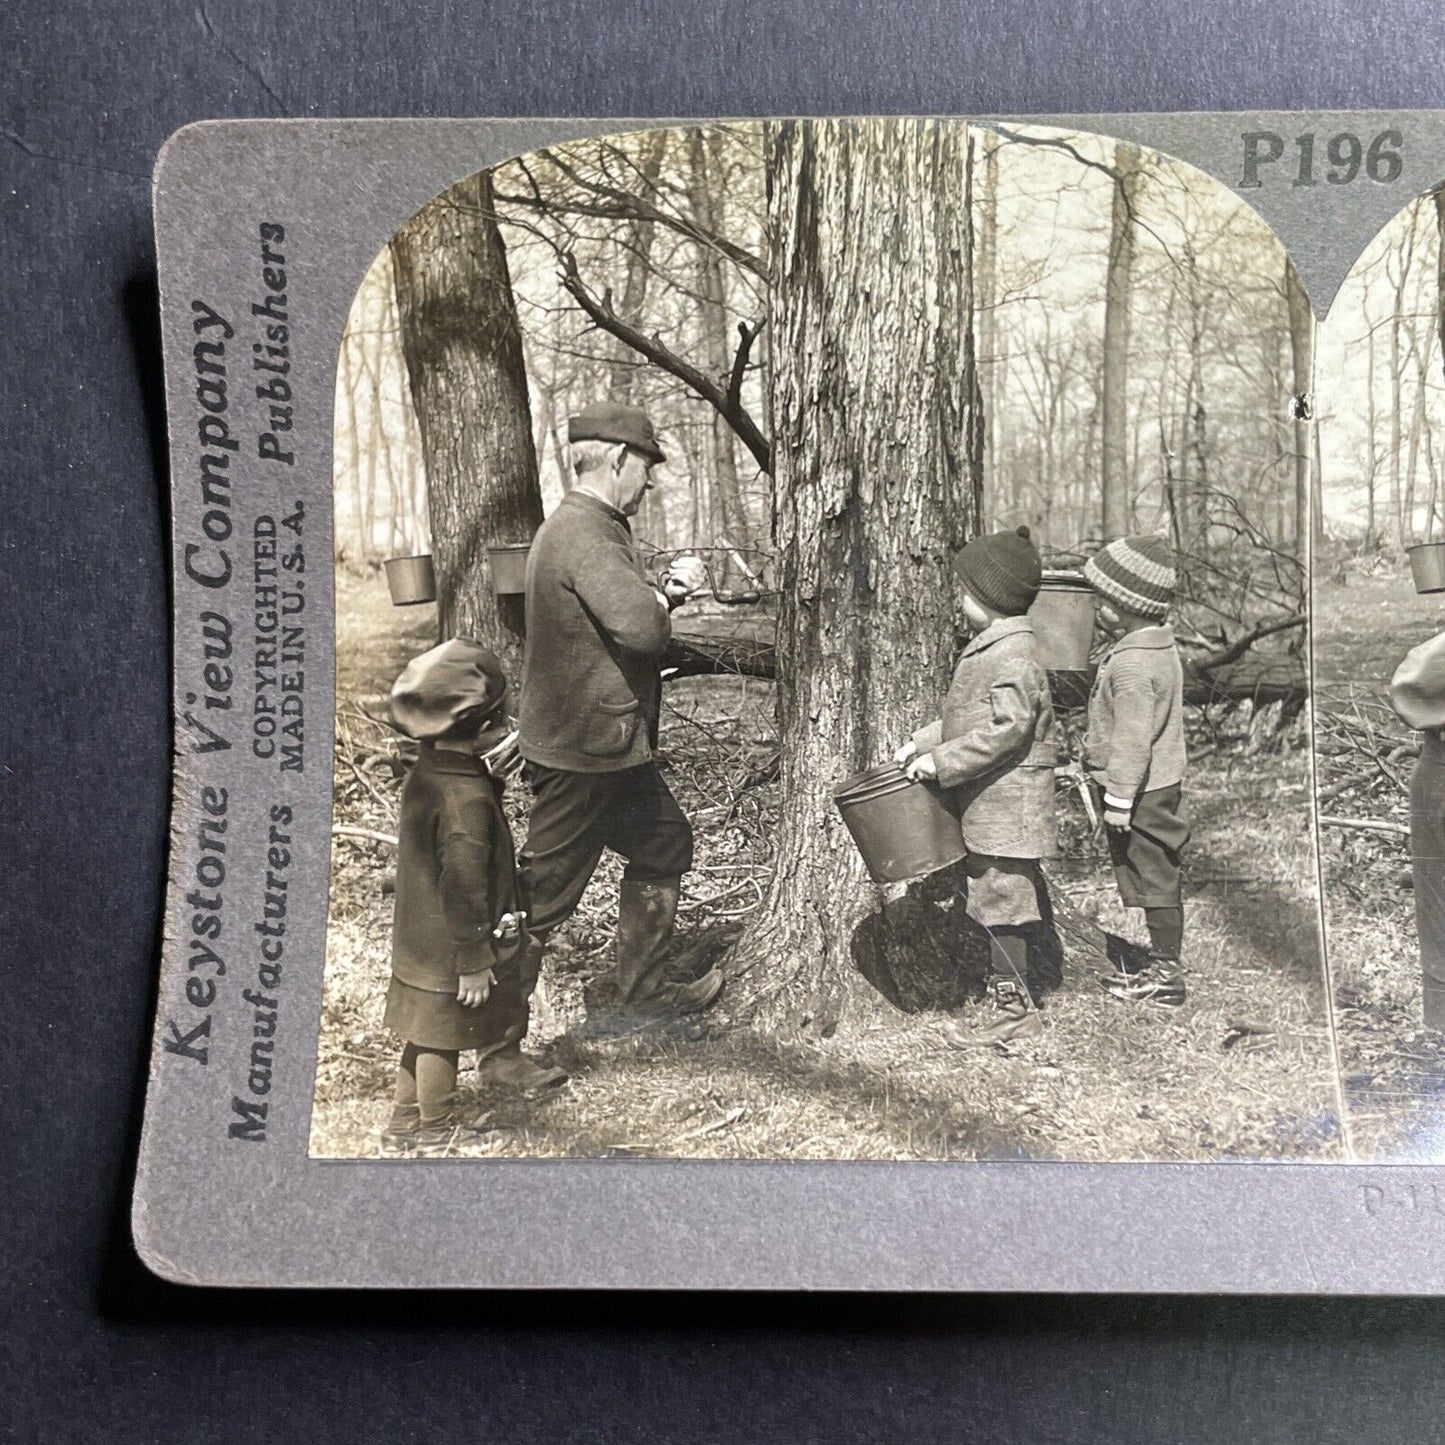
(1260, 680)
(1241, 645)
(345, 830)
(1365, 825)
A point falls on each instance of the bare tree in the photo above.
(877, 466)
(468, 383)
(1116, 517)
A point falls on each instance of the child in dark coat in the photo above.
(1134, 751)
(997, 745)
(463, 964)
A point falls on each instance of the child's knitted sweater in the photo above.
(1135, 738)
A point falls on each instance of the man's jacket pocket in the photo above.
(612, 727)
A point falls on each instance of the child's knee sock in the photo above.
(1008, 957)
(1166, 932)
(426, 1080)
(404, 1112)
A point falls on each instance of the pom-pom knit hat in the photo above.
(447, 690)
(1001, 570)
(1136, 573)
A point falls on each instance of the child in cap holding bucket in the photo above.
(996, 743)
(1134, 750)
(463, 964)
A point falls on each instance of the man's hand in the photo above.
(922, 769)
(1116, 820)
(906, 754)
(682, 579)
(473, 989)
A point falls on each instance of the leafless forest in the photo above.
(862, 343)
(1381, 390)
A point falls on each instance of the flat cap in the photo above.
(609, 422)
(458, 684)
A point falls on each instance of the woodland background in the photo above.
(1381, 393)
(862, 343)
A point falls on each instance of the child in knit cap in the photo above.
(463, 964)
(1134, 751)
(996, 744)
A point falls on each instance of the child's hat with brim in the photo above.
(1135, 573)
(448, 688)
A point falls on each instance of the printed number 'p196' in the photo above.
(1345, 157)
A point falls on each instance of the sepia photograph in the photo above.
(1379, 666)
(822, 658)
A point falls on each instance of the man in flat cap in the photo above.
(591, 691)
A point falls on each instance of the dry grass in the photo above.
(1104, 1082)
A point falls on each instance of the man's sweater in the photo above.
(1135, 737)
(596, 628)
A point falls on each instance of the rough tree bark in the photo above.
(876, 471)
(463, 351)
(990, 363)
(1116, 518)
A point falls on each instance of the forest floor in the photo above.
(1367, 616)
(1105, 1081)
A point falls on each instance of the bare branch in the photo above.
(1241, 645)
(728, 407)
(1365, 825)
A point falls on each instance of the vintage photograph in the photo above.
(1379, 667)
(821, 658)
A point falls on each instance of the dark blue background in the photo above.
(94, 1348)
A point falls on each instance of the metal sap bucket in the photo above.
(509, 568)
(1427, 566)
(1063, 618)
(411, 580)
(903, 829)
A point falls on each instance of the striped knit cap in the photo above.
(1137, 573)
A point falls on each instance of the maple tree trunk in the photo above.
(463, 350)
(877, 447)
(1116, 518)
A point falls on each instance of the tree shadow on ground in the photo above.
(939, 1119)
(922, 951)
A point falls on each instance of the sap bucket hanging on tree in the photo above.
(509, 568)
(903, 829)
(1063, 618)
(411, 580)
(1427, 566)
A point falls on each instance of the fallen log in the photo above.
(736, 654)
(1258, 678)
(1365, 825)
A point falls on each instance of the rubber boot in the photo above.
(1012, 1013)
(645, 916)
